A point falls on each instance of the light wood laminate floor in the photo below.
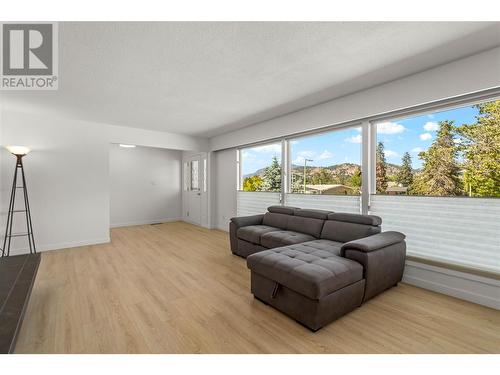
(176, 288)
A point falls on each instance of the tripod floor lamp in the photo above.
(18, 184)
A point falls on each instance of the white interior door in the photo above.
(194, 178)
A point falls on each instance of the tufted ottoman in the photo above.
(310, 283)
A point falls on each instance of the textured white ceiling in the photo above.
(206, 78)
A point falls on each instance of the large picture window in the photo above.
(448, 153)
(326, 163)
(260, 168)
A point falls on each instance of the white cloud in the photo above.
(274, 147)
(425, 136)
(431, 126)
(416, 150)
(303, 155)
(294, 142)
(354, 139)
(457, 141)
(391, 154)
(325, 155)
(390, 128)
(358, 129)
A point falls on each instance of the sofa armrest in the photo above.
(245, 221)
(238, 222)
(382, 257)
(375, 242)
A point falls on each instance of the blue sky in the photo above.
(411, 134)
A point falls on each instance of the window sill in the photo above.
(455, 267)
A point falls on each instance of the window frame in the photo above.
(343, 127)
(407, 114)
(368, 152)
(239, 163)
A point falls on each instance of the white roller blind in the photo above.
(462, 231)
(253, 203)
(337, 203)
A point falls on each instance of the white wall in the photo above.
(145, 185)
(475, 73)
(67, 179)
(224, 172)
(68, 174)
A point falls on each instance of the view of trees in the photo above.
(463, 160)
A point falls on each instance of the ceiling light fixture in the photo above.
(126, 146)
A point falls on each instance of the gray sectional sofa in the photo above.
(316, 265)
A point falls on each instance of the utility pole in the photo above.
(305, 164)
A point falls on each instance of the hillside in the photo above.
(337, 169)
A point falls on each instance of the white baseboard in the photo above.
(223, 226)
(143, 222)
(59, 246)
(478, 289)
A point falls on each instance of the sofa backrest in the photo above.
(287, 210)
(277, 216)
(305, 225)
(275, 220)
(344, 227)
(308, 221)
(314, 214)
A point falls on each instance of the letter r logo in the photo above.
(27, 49)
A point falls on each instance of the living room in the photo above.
(238, 188)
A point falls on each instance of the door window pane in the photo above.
(194, 175)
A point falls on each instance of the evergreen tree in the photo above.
(440, 173)
(297, 182)
(253, 183)
(381, 169)
(272, 176)
(481, 150)
(405, 174)
(355, 180)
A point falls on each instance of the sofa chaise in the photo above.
(316, 265)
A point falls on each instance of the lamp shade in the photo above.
(18, 150)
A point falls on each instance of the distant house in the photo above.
(330, 189)
(396, 189)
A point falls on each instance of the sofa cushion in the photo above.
(275, 220)
(314, 214)
(287, 210)
(342, 231)
(283, 238)
(332, 247)
(305, 225)
(253, 233)
(308, 271)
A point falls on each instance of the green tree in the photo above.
(252, 183)
(355, 180)
(271, 178)
(381, 169)
(481, 150)
(405, 174)
(441, 172)
(322, 177)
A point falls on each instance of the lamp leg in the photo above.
(29, 224)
